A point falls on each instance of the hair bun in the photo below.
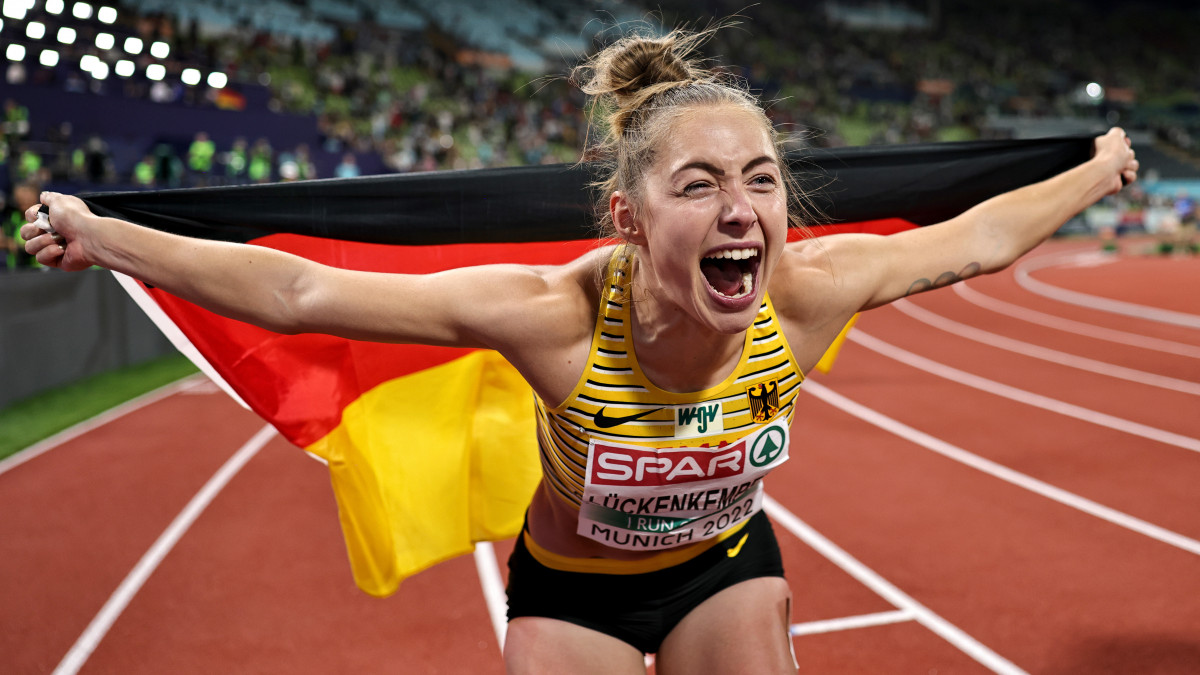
(643, 63)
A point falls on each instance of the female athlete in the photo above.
(666, 367)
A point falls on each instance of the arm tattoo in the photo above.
(944, 279)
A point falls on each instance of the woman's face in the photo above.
(713, 218)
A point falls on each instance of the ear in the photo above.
(624, 219)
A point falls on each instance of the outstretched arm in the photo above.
(869, 271)
(290, 294)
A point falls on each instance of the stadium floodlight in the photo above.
(15, 52)
(66, 35)
(15, 9)
(55, 6)
(35, 30)
(105, 41)
(100, 70)
(133, 45)
(160, 49)
(82, 10)
(190, 76)
(88, 62)
(217, 80)
(1094, 90)
(1, 24)
(156, 71)
(124, 68)
(107, 15)
(49, 58)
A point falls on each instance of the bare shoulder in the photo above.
(816, 289)
(543, 321)
(810, 272)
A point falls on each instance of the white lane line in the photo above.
(1023, 278)
(1022, 396)
(73, 432)
(1000, 471)
(493, 589)
(133, 582)
(1044, 353)
(905, 603)
(1075, 327)
(851, 622)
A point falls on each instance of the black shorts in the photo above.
(640, 609)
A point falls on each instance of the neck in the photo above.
(674, 351)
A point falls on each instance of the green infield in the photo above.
(30, 420)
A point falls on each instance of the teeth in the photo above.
(735, 254)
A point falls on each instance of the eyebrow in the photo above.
(712, 168)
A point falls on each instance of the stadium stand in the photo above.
(408, 85)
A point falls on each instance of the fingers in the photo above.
(47, 248)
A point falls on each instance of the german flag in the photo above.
(432, 449)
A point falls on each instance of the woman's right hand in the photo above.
(67, 247)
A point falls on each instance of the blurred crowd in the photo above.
(386, 99)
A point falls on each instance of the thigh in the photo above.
(542, 645)
(742, 629)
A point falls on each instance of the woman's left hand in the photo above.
(1115, 150)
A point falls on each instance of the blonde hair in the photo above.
(640, 85)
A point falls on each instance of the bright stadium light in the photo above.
(15, 9)
(82, 10)
(133, 45)
(88, 62)
(15, 52)
(49, 58)
(160, 50)
(1, 24)
(66, 35)
(190, 76)
(55, 6)
(107, 15)
(1094, 90)
(105, 41)
(124, 68)
(100, 70)
(217, 80)
(35, 30)
(156, 71)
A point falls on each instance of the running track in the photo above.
(999, 477)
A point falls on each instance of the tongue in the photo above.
(724, 275)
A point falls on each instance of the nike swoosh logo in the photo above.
(732, 552)
(605, 422)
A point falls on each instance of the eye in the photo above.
(695, 187)
(763, 180)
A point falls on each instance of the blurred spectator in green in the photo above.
(144, 172)
(16, 120)
(200, 157)
(236, 161)
(261, 156)
(11, 243)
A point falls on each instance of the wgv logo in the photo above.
(698, 420)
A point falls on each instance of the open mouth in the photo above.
(731, 272)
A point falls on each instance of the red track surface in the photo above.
(260, 583)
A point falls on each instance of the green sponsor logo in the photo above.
(768, 446)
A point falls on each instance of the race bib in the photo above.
(648, 499)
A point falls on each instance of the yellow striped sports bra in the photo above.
(652, 470)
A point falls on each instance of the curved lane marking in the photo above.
(1023, 396)
(1002, 472)
(120, 598)
(1044, 353)
(1075, 327)
(1022, 275)
(70, 433)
